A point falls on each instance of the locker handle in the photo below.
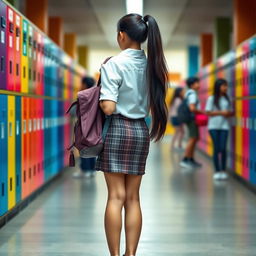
(2, 64)
(11, 27)
(24, 126)
(3, 22)
(17, 128)
(17, 32)
(2, 131)
(10, 63)
(17, 69)
(10, 129)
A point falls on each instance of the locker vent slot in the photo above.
(29, 173)
(10, 184)
(2, 64)
(2, 189)
(2, 131)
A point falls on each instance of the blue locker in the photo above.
(252, 67)
(3, 156)
(18, 147)
(47, 140)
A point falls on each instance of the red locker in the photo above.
(17, 51)
(10, 49)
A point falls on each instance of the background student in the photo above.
(219, 109)
(194, 105)
(173, 115)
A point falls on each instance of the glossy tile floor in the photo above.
(185, 213)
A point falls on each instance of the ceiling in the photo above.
(180, 21)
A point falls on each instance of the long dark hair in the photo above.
(177, 94)
(139, 29)
(217, 94)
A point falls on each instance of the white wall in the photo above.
(176, 60)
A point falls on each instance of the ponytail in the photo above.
(157, 78)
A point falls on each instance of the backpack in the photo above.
(91, 125)
(184, 113)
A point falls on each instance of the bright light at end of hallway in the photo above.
(134, 6)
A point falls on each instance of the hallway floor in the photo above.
(185, 214)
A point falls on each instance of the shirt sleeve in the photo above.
(110, 81)
(192, 98)
(209, 104)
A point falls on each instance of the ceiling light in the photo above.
(134, 6)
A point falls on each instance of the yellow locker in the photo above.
(239, 108)
(11, 153)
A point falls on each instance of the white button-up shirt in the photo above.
(123, 80)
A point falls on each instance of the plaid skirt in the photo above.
(126, 147)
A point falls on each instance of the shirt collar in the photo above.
(133, 53)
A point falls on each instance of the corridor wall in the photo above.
(38, 81)
(238, 67)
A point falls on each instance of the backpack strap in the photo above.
(73, 104)
(104, 62)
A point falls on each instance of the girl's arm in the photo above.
(218, 113)
(108, 107)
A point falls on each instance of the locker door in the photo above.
(3, 48)
(10, 49)
(29, 146)
(252, 174)
(3, 156)
(18, 46)
(30, 58)
(41, 141)
(18, 147)
(35, 60)
(39, 63)
(11, 153)
(24, 58)
(24, 147)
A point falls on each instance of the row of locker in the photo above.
(238, 67)
(34, 135)
(30, 62)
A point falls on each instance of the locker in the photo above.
(30, 58)
(41, 140)
(25, 151)
(35, 62)
(3, 156)
(252, 67)
(10, 50)
(24, 58)
(3, 55)
(11, 153)
(17, 50)
(29, 147)
(252, 176)
(40, 63)
(18, 147)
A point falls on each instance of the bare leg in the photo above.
(190, 149)
(113, 214)
(175, 137)
(181, 135)
(133, 215)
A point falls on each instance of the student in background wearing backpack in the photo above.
(193, 130)
(131, 86)
(173, 116)
(219, 109)
(86, 164)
